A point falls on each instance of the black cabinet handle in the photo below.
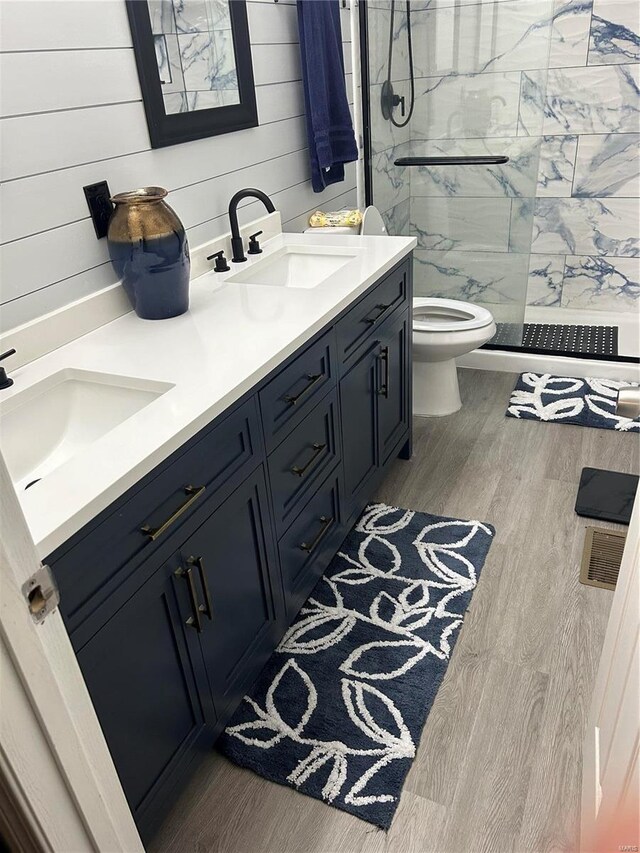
(325, 525)
(317, 450)
(451, 161)
(372, 320)
(193, 621)
(384, 357)
(153, 533)
(205, 608)
(313, 379)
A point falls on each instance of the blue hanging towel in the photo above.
(329, 128)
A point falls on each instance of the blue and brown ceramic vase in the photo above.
(150, 253)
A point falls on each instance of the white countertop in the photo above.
(232, 336)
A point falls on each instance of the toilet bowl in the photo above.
(442, 330)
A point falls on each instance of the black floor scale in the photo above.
(607, 495)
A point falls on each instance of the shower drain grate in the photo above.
(558, 337)
(601, 557)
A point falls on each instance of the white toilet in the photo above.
(442, 330)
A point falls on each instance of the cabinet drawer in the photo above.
(354, 328)
(285, 401)
(303, 459)
(91, 568)
(309, 544)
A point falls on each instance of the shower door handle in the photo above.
(451, 161)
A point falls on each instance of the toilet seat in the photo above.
(448, 315)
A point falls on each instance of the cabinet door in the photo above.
(393, 388)
(238, 591)
(138, 672)
(358, 404)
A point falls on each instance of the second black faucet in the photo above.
(237, 245)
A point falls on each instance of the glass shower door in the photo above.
(459, 169)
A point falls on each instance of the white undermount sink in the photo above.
(45, 425)
(296, 266)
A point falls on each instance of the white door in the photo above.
(610, 774)
(55, 767)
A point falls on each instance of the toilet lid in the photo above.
(448, 315)
(372, 223)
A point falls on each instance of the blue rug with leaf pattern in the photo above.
(338, 710)
(568, 400)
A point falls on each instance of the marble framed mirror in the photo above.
(194, 64)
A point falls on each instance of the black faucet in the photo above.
(236, 240)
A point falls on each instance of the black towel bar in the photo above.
(450, 161)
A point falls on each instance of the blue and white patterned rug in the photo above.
(567, 400)
(338, 710)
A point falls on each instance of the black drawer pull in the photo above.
(153, 533)
(384, 357)
(205, 608)
(381, 310)
(193, 621)
(317, 450)
(313, 379)
(311, 546)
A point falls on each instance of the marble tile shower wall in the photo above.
(556, 88)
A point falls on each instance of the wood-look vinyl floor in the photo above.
(499, 763)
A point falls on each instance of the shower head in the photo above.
(389, 100)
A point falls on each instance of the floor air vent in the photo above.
(601, 557)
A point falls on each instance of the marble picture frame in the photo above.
(170, 126)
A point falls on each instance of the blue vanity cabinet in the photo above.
(155, 716)
(177, 594)
(235, 593)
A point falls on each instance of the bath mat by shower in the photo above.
(338, 710)
(567, 400)
(560, 338)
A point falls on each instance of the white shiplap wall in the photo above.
(71, 114)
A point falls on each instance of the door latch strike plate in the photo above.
(41, 594)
